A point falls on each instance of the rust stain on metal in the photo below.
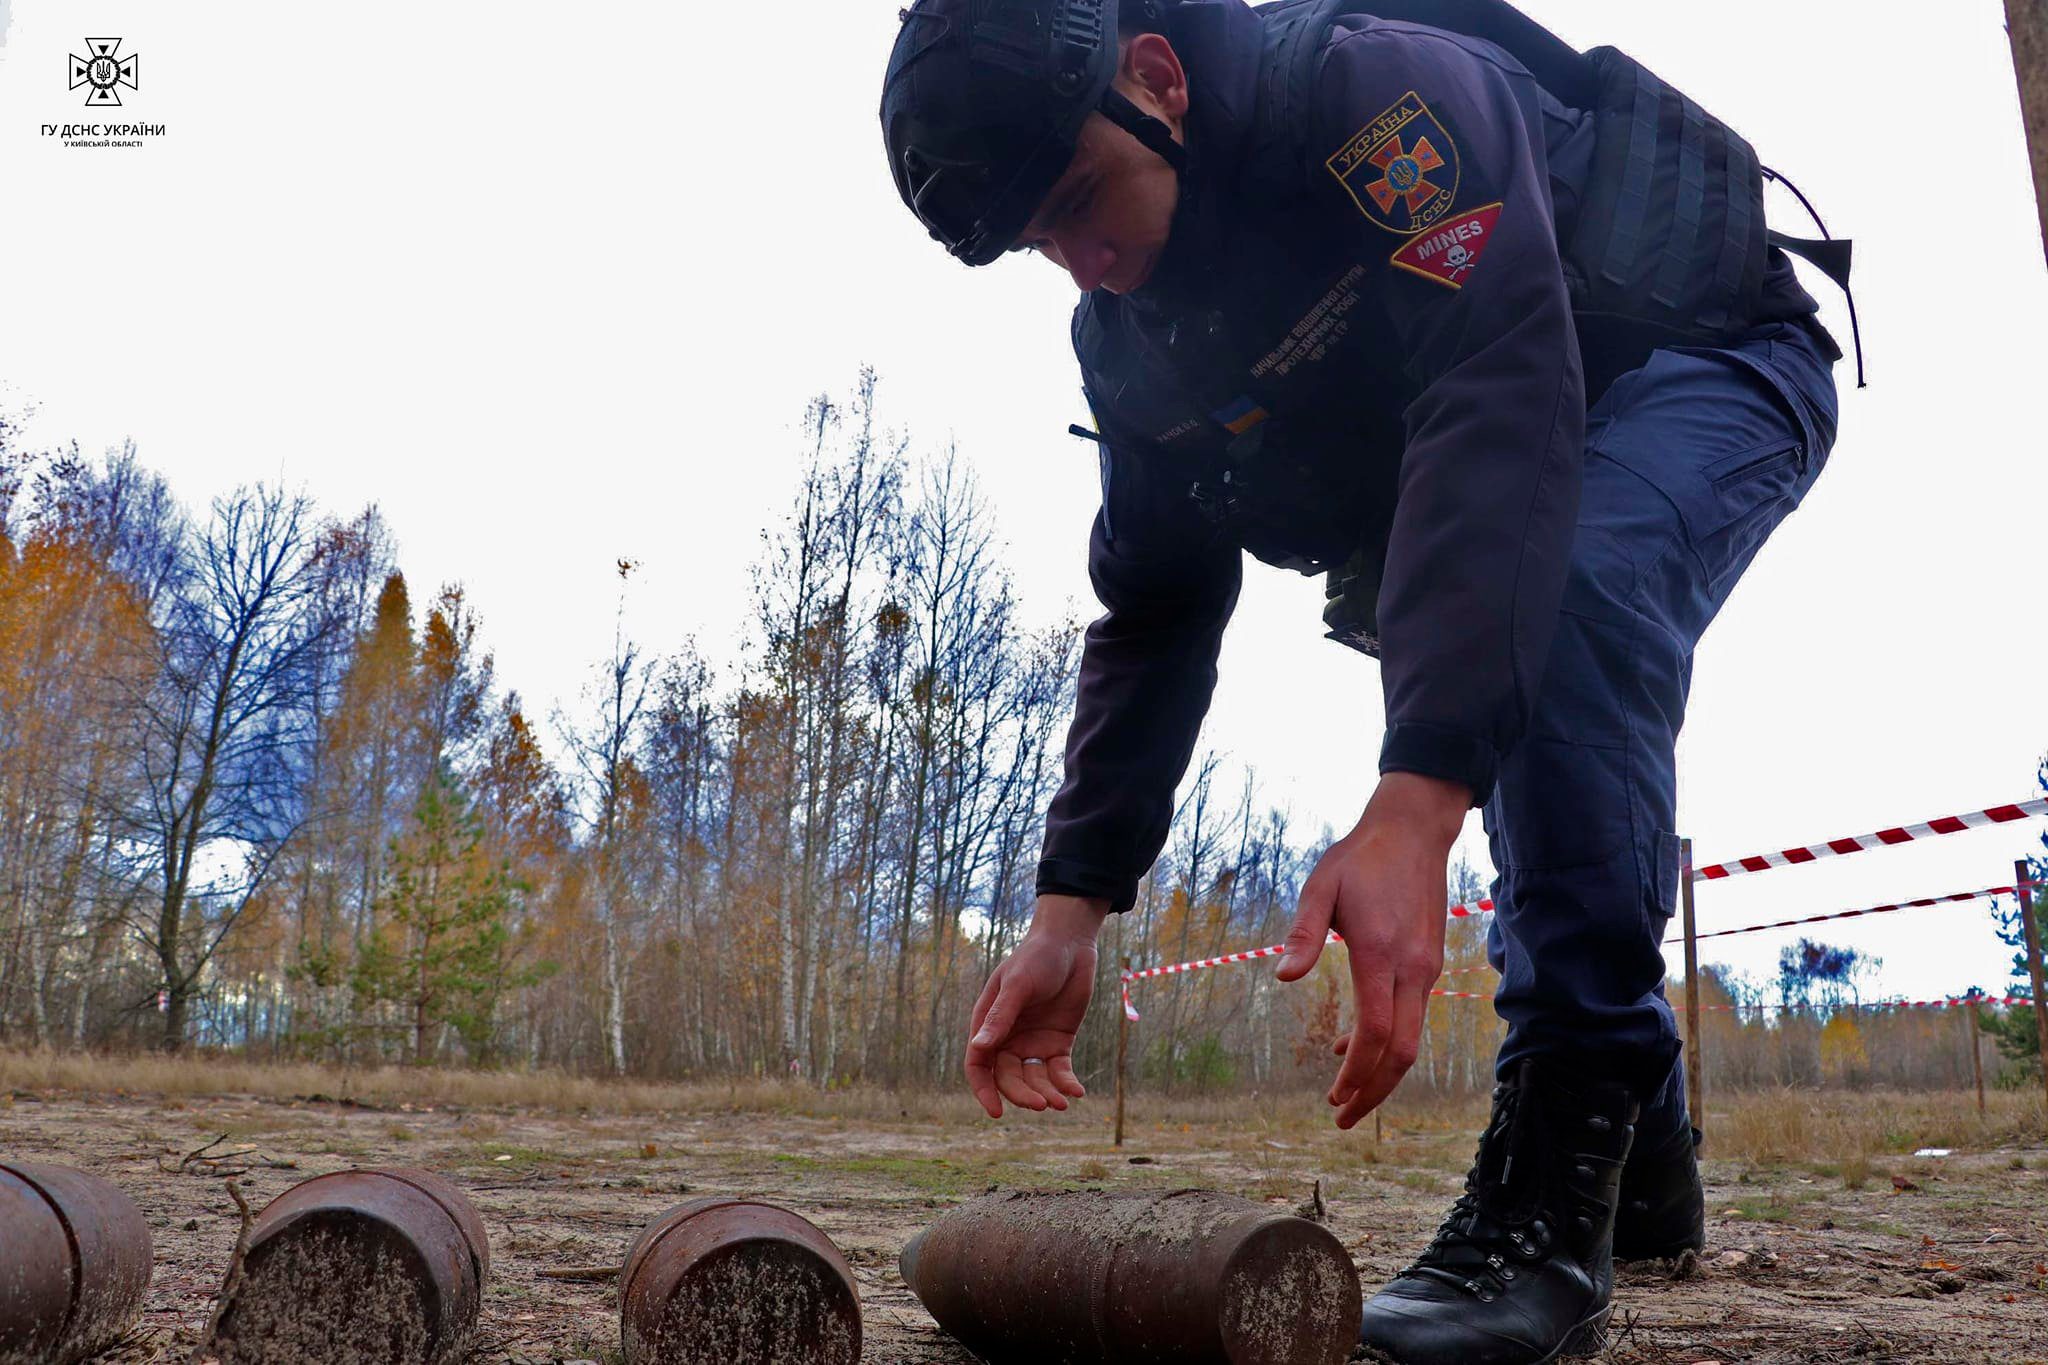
(371, 1267)
(1192, 1277)
(74, 1264)
(733, 1282)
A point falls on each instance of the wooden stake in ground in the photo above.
(2027, 23)
(2022, 877)
(1976, 1055)
(1123, 1047)
(1695, 1087)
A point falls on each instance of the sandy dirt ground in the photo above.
(1800, 1266)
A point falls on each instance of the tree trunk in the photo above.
(179, 1007)
(35, 974)
(615, 998)
(174, 984)
(2027, 22)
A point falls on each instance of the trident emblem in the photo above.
(103, 71)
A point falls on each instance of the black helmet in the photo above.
(983, 107)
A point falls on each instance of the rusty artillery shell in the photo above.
(1190, 1277)
(735, 1282)
(359, 1268)
(75, 1258)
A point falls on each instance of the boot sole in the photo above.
(1589, 1338)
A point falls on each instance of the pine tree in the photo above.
(443, 947)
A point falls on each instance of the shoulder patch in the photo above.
(1450, 251)
(1401, 169)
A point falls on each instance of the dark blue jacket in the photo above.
(1358, 346)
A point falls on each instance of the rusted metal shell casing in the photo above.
(1190, 1277)
(735, 1282)
(382, 1267)
(75, 1258)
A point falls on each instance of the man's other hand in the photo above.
(1381, 887)
(1021, 1047)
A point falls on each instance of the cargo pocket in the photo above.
(1662, 876)
(1564, 804)
(1719, 440)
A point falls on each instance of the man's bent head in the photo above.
(1027, 124)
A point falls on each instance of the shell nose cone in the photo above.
(907, 1262)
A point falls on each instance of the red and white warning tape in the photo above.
(1131, 1013)
(1853, 914)
(1884, 838)
(1949, 1003)
(1276, 949)
(1856, 843)
(1952, 1002)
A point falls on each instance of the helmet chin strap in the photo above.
(1145, 128)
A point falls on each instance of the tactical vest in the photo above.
(1670, 239)
(1669, 245)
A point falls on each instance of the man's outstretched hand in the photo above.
(1021, 1044)
(1381, 887)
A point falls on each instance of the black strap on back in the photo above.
(1691, 210)
(1831, 255)
(1639, 174)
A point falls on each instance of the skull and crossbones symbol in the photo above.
(1460, 259)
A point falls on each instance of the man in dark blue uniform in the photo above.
(1490, 333)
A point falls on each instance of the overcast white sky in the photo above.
(551, 285)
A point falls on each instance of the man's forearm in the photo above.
(1148, 672)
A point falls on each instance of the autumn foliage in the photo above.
(257, 794)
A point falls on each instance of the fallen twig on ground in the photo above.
(233, 1280)
(582, 1272)
(236, 1161)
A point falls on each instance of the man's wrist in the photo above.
(1429, 807)
(1073, 917)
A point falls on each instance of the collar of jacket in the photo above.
(1220, 43)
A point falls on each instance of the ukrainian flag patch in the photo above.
(1240, 417)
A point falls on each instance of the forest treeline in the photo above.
(259, 793)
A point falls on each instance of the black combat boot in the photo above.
(1663, 1210)
(1522, 1269)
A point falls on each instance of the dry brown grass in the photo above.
(390, 1087)
(1840, 1128)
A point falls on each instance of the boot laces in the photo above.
(1485, 1232)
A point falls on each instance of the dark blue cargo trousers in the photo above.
(1691, 462)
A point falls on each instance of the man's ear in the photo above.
(1151, 77)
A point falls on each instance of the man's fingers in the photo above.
(1311, 928)
(1038, 1076)
(1411, 1005)
(981, 1079)
(989, 991)
(1010, 1080)
(1063, 1076)
(1373, 999)
(1000, 1019)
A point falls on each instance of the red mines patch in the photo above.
(1450, 251)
